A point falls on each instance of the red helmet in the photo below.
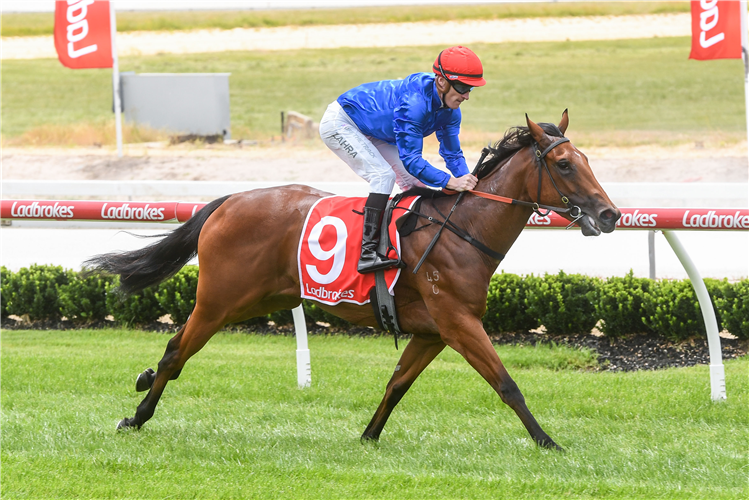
(461, 64)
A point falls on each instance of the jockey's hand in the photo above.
(463, 183)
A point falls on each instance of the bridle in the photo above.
(573, 211)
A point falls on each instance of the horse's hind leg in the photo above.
(199, 328)
(419, 352)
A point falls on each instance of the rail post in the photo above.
(651, 254)
(717, 371)
(303, 367)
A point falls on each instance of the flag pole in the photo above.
(115, 80)
(745, 57)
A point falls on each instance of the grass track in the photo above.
(29, 24)
(617, 91)
(234, 425)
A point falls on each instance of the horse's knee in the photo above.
(510, 393)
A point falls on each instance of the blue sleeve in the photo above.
(450, 146)
(409, 137)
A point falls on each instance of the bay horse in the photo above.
(247, 246)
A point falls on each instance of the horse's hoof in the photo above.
(549, 444)
(369, 439)
(145, 380)
(127, 423)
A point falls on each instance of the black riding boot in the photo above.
(370, 261)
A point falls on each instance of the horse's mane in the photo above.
(515, 139)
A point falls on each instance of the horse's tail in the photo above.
(139, 269)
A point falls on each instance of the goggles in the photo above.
(460, 87)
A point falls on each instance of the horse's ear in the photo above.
(536, 132)
(565, 121)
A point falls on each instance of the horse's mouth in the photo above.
(589, 226)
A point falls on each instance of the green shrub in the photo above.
(84, 299)
(314, 313)
(671, 310)
(717, 290)
(618, 303)
(139, 308)
(282, 317)
(734, 308)
(5, 276)
(176, 296)
(563, 303)
(34, 291)
(506, 309)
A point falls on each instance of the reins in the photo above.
(573, 211)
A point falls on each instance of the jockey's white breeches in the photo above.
(374, 160)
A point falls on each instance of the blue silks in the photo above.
(403, 112)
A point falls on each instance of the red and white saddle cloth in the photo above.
(330, 247)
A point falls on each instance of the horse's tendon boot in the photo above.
(145, 380)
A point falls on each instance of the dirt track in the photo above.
(297, 164)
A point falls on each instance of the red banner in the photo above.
(82, 33)
(716, 29)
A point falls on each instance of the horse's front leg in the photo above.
(465, 333)
(419, 352)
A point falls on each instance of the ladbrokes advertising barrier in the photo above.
(121, 211)
(664, 218)
(128, 211)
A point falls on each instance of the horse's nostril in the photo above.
(607, 215)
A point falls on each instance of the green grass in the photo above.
(29, 24)
(235, 426)
(618, 92)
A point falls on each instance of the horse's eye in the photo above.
(564, 165)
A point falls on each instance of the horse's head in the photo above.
(568, 174)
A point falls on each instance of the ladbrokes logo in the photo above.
(125, 212)
(332, 296)
(37, 211)
(637, 219)
(537, 220)
(712, 220)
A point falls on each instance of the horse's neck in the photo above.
(498, 224)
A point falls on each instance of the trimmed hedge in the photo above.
(176, 295)
(84, 298)
(139, 308)
(3, 298)
(563, 303)
(734, 308)
(34, 291)
(506, 310)
(618, 304)
(671, 309)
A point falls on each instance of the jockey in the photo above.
(378, 129)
